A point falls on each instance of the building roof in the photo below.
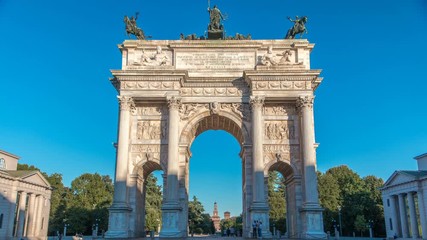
(417, 174)
(9, 154)
(29, 176)
(403, 176)
(420, 156)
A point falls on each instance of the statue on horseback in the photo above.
(298, 28)
(132, 28)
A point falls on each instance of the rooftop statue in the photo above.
(132, 28)
(298, 28)
(215, 16)
(215, 27)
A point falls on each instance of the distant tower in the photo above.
(226, 215)
(215, 218)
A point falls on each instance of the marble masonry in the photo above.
(260, 91)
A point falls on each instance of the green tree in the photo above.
(277, 201)
(91, 195)
(360, 224)
(153, 203)
(195, 214)
(329, 197)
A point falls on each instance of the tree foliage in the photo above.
(195, 214)
(153, 203)
(277, 201)
(356, 197)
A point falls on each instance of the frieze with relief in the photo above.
(149, 85)
(281, 152)
(279, 110)
(229, 92)
(282, 85)
(151, 130)
(186, 111)
(151, 111)
(279, 130)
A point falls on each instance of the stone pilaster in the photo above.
(171, 207)
(118, 224)
(403, 219)
(21, 215)
(259, 207)
(413, 215)
(311, 210)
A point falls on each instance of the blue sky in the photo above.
(59, 112)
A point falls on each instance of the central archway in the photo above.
(233, 124)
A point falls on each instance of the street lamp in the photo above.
(339, 219)
(370, 225)
(95, 228)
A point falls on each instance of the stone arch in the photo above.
(285, 167)
(137, 193)
(144, 168)
(222, 120)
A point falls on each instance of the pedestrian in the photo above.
(254, 229)
(260, 229)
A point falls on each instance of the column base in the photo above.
(312, 221)
(170, 219)
(259, 212)
(118, 222)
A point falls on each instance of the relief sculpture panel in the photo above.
(151, 130)
(279, 130)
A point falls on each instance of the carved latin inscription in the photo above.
(215, 60)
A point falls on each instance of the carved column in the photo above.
(423, 213)
(118, 224)
(312, 212)
(259, 207)
(22, 215)
(171, 207)
(403, 219)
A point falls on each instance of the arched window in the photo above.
(2, 163)
(1, 220)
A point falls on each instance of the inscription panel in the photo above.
(215, 60)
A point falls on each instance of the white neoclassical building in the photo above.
(24, 201)
(405, 202)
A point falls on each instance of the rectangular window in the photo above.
(1, 220)
(388, 202)
(391, 225)
(42, 223)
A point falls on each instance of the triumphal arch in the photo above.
(260, 91)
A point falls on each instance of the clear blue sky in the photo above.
(59, 111)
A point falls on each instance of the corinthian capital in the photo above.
(305, 101)
(174, 102)
(257, 101)
(126, 103)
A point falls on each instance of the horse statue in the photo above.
(298, 28)
(132, 28)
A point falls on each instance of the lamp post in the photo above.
(339, 219)
(65, 229)
(370, 225)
